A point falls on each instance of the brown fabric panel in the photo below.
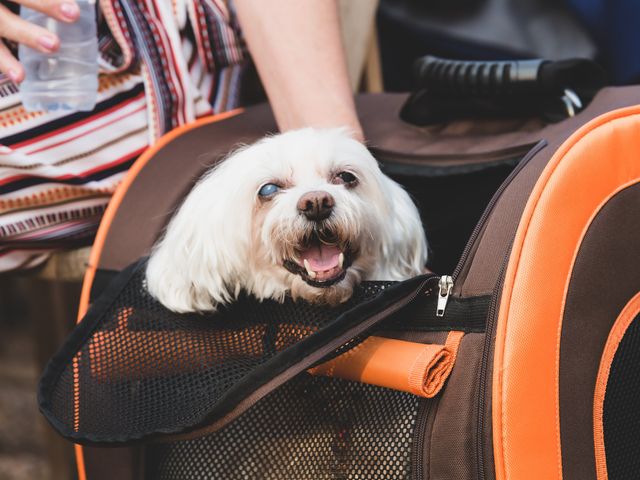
(112, 463)
(164, 181)
(501, 226)
(605, 276)
(452, 441)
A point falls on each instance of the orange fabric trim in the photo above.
(82, 471)
(574, 185)
(406, 366)
(622, 323)
(109, 214)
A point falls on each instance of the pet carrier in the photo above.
(519, 358)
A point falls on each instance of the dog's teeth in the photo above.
(340, 260)
(310, 272)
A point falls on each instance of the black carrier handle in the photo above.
(473, 78)
(448, 89)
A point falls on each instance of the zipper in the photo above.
(533, 151)
(445, 284)
(482, 384)
(422, 420)
(493, 306)
(427, 408)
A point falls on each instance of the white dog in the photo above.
(306, 213)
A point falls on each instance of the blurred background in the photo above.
(382, 40)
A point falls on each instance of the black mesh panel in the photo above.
(310, 428)
(134, 369)
(622, 408)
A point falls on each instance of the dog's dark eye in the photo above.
(268, 190)
(346, 178)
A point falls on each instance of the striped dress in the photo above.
(163, 63)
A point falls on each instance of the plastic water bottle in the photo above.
(66, 79)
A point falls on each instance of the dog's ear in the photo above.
(404, 244)
(200, 260)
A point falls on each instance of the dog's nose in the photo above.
(316, 205)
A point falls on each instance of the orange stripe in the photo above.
(622, 323)
(109, 214)
(575, 183)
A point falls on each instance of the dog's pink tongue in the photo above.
(322, 257)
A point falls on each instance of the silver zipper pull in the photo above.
(444, 286)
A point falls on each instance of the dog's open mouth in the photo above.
(321, 261)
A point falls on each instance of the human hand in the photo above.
(12, 27)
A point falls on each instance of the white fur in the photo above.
(225, 239)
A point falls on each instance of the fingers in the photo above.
(64, 10)
(15, 28)
(9, 65)
(19, 30)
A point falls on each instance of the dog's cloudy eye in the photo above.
(346, 178)
(268, 190)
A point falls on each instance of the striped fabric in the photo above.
(163, 63)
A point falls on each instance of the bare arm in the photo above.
(297, 48)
